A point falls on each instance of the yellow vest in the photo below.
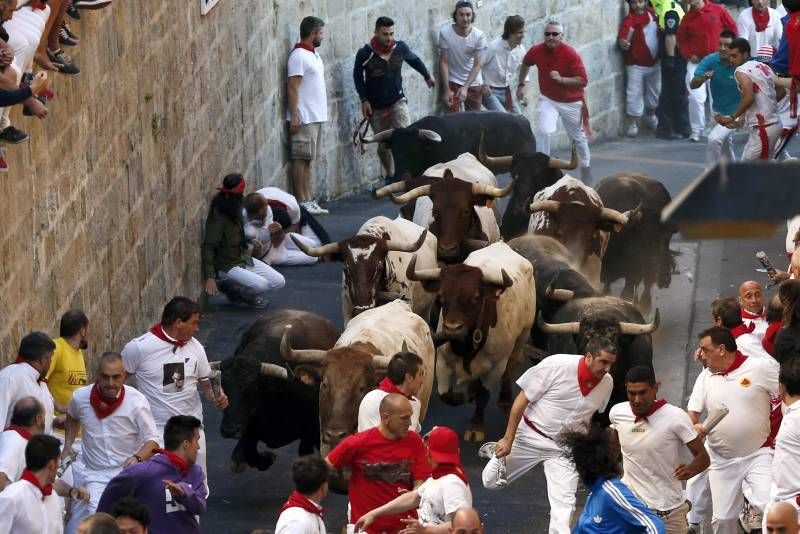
(67, 371)
(662, 7)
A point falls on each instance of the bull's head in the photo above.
(364, 259)
(409, 147)
(590, 327)
(455, 220)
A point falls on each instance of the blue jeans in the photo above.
(495, 101)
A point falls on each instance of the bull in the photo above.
(488, 305)
(267, 402)
(355, 365)
(640, 252)
(573, 213)
(374, 263)
(581, 320)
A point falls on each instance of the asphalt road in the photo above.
(240, 503)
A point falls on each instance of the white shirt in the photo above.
(770, 36)
(295, 520)
(746, 391)
(781, 11)
(312, 102)
(500, 63)
(441, 497)
(555, 399)
(17, 381)
(12, 454)
(786, 460)
(154, 363)
(22, 510)
(292, 207)
(369, 414)
(765, 102)
(761, 326)
(461, 53)
(651, 450)
(109, 442)
(750, 345)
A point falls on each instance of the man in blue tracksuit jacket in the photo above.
(612, 508)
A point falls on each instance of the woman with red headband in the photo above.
(224, 252)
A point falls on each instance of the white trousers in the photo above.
(95, 482)
(719, 142)
(257, 279)
(547, 122)
(287, 253)
(697, 101)
(699, 494)
(529, 450)
(726, 477)
(758, 148)
(643, 88)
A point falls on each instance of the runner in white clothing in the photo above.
(302, 512)
(760, 25)
(558, 395)
(500, 68)
(651, 435)
(27, 421)
(751, 299)
(786, 461)
(404, 375)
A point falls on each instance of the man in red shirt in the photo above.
(384, 461)
(562, 78)
(697, 37)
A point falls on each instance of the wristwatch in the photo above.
(138, 458)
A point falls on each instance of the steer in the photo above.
(640, 252)
(573, 213)
(357, 362)
(581, 320)
(266, 402)
(374, 265)
(488, 305)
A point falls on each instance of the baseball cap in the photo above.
(443, 445)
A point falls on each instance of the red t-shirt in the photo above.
(564, 60)
(792, 32)
(639, 53)
(698, 34)
(379, 467)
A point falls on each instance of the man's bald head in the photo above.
(466, 521)
(782, 519)
(393, 403)
(396, 414)
(751, 296)
(29, 413)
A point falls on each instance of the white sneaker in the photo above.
(313, 208)
(632, 130)
(487, 450)
(750, 518)
(650, 121)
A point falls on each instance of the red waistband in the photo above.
(533, 427)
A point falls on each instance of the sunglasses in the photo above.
(552, 34)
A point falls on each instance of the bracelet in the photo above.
(70, 492)
(138, 458)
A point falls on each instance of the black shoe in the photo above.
(13, 136)
(63, 63)
(27, 111)
(668, 136)
(66, 37)
(73, 12)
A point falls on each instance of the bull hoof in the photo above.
(265, 460)
(474, 434)
(238, 467)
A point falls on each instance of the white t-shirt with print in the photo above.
(461, 53)
(440, 497)
(312, 100)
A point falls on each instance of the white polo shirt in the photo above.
(461, 53)
(312, 103)
(500, 63)
(109, 442)
(19, 380)
(440, 497)
(12, 454)
(651, 450)
(786, 460)
(295, 520)
(369, 414)
(750, 345)
(23, 511)
(746, 391)
(555, 399)
(167, 379)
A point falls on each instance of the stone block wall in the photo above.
(103, 206)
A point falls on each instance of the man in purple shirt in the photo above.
(170, 484)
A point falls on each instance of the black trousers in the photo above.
(673, 104)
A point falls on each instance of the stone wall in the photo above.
(104, 204)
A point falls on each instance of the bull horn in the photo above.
(550, 206)
(440, 338)
(380, 362)
(491, 191)
(299, 356)
(570, 165)
(561, 295)
(380, 137)
(404, 348)
(421, 191)
(419, 276)
(429, 135)
(636, 329)
(499, 162)
(330, 248)
(215, 365)
(613, 215)
(635, 214)
(389, 296)
(270, 369)
(503, 281)
(386, 190)
(559, 328)
(396, 246)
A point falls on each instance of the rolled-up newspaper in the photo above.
(714, 417)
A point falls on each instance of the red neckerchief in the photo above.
(20, 430)
(738, 360)
(277, 204)
(586, 380)
(40, 379)
(746, 315)
(389, 387)
(38, 5)
(305, 46)
(30, 477)
(741, 329)
(298, 500)
(381, 50)
(656, 405)
(449, 469)
(761, 19)
(158, 331)
(642, 20)
(103, 407)
(181, 464)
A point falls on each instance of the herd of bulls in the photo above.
(444, 280)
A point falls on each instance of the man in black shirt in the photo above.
(379, 82)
